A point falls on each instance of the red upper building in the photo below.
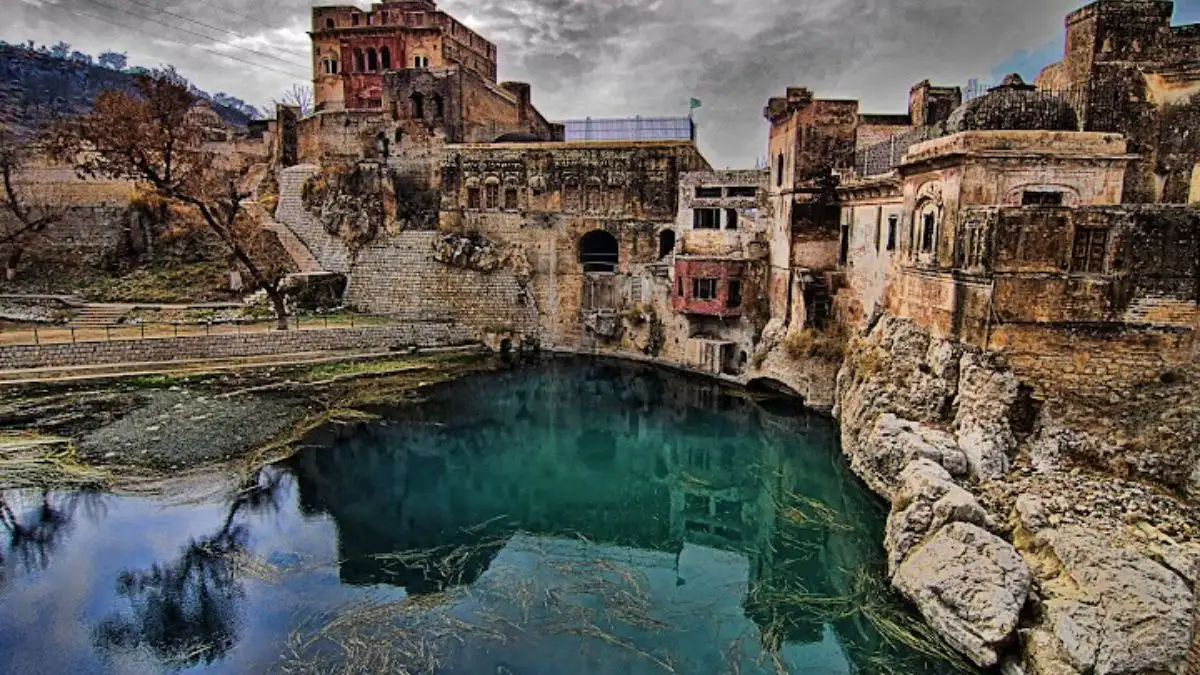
(352, 48)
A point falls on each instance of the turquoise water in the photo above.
(570, 517)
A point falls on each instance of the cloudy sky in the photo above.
(610, 57)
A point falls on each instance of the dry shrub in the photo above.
(808, 343)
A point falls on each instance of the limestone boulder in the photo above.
(926, 501)
(893, 443)
(1108, 610)
(970, 586)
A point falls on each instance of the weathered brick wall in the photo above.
(1097, 361)
(400, 336)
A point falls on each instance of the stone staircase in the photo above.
(296, 249)
(100, 316)
(305, 261)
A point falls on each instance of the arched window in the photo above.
(420, 62)
(372, 60)
(385, 56)
(598, 252)
(360, 64)
(418, 106)
(572, 194)
(666, 243)
(329, 23)
(593, 196)
(926, 222)
(439, 107)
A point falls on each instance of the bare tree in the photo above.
(150, 137)
(299, 96)
(26, 211)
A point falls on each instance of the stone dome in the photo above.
(1014, 106)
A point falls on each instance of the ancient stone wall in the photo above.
(1098, 361)
(401, 336)
(400, 276)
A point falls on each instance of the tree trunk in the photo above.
(277, 300)
(10, 266)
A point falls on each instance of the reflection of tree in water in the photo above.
(185, 610)
(34, 536)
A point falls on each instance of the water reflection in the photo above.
(619, 459)
(573, 517)
(37, 522)
(185, 610)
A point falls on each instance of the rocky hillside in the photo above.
(36, 87)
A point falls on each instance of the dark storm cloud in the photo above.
(620, 57)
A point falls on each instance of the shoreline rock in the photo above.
(1088, 585)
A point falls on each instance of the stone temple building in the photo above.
(1051, 223)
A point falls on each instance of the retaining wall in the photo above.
(156, 350)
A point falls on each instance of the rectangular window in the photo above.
(472, 198)
(491, 196)
(706, 219)
(679, 287)
(510, 199)
(893, 223)
(878, 228)
(741, 192)
(353, 19)
(1090, 250)
(1041, 198)
(704, 289)
(844, 251)
(708, 193)
(731, 219)
(735, 294)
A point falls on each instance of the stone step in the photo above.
(100, 316)
(305, 261)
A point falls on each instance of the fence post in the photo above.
(108, 333)
(72, 329)
(175, 325)
(142, 328)
(36, 340)
(207, 328)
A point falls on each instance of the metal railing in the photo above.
(1095, 109)
(39, 334)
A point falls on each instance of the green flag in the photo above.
(693, 104)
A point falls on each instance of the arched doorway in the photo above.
(599, 255)
(666, 243)
(599, 252)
